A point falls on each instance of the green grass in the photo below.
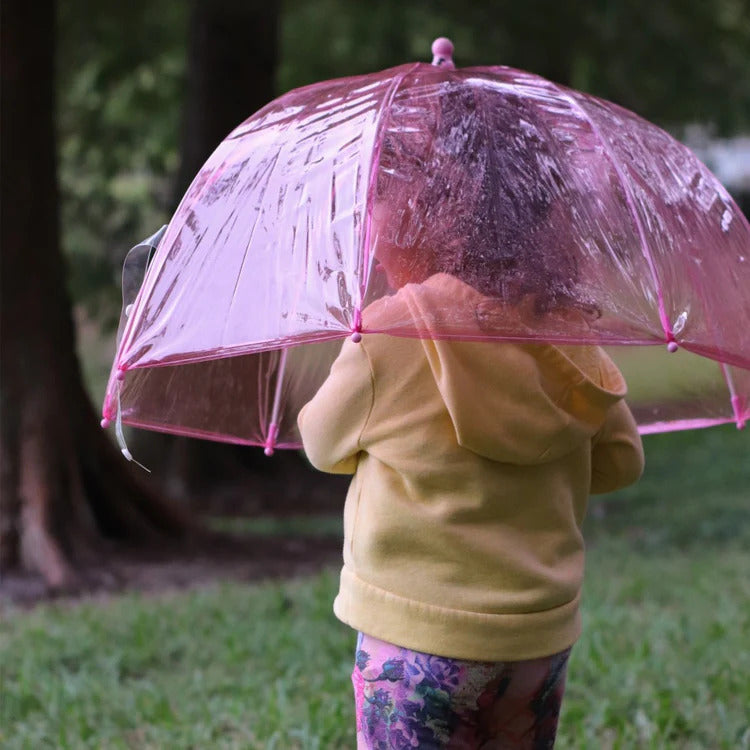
(663, 663)
(226, 667)
(653, 374)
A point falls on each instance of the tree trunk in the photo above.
(65, 490)
(231, 64)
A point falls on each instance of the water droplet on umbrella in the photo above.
(679, 324)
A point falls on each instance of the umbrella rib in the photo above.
(734, 398)
(630, 202)
(246, 251)
(371, 185)
(273, 428)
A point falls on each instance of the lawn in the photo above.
(664, 661)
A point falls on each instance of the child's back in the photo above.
(473, 465)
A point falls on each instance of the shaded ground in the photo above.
(239, 557)
(265, 514)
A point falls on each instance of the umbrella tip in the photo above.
(442, 52)
(270, 444)
(739, 409)
(672, 347)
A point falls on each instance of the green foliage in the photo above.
(673, 62)
(120, 79)
(663, 661)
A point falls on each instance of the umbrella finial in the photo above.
(442, 52)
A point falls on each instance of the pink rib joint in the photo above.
(357, 327)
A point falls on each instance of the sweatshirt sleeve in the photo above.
(332, 422)
(617, 457)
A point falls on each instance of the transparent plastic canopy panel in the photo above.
(337, 194)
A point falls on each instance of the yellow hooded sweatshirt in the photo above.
(473, 463)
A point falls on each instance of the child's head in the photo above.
(470, 187)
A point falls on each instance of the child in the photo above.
(473, 462)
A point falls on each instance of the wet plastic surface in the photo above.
(600, 225)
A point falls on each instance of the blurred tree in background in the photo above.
(672, 62)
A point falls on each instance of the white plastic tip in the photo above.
(442, 52)
(129, 456)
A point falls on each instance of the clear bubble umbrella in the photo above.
(576, 220)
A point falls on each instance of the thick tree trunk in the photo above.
(231, 64)
(65, 489)
(232, 55)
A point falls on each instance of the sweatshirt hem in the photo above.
(454, 633)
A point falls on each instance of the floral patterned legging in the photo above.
(407, 699)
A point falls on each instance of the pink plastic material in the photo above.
(270, 444)
(579, 221)
(442, 52)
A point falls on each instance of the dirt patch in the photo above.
(210, 560)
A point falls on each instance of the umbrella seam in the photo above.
(372, 183)
(629, 200)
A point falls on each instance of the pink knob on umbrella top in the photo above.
(442, 52)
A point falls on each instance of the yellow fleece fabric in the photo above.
(473, 463)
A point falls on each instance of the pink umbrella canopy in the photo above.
(580, 223)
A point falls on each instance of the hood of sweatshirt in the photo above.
(511, 402)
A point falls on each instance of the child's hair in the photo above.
(471, 185)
